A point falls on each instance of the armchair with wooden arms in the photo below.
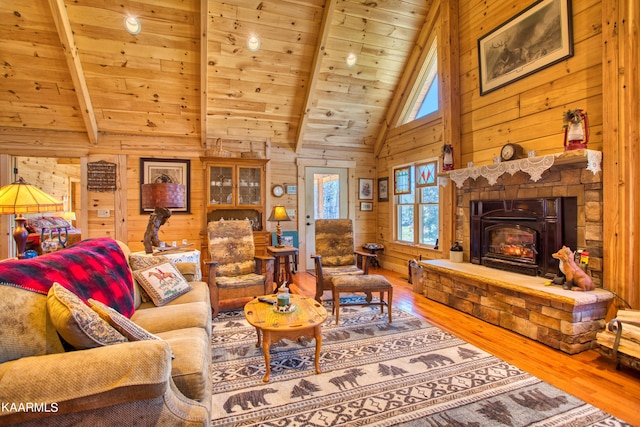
(236, 273)
(335, 254)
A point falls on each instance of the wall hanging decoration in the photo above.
(365, 186)
(447, 157)
(539, 36)
(383, 189)
(576, 129)
(166, 171)
(101, 176)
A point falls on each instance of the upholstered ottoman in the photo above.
(366, 283)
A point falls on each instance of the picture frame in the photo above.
(365, 188)
(366, 206)
(291, 189)
(402, 181)
(178, 170)
(383, 189)
(515, 48)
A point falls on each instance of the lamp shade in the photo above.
(279, 213)
(163, 195)
(69, 216)
(22, 198)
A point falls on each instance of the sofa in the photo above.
(141, 361)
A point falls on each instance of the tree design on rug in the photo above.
(496, 411)
(336, 336)
(535, 399)
(253, 397)
(349, 377)
(386, 370)
(303, 389)
(467, 353)
(432, 360)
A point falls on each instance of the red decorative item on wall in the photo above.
(576, 130)
(447, 157)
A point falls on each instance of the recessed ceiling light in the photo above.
(253, 43)
(351, 59)
(132, 24)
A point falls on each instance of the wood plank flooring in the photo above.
(588, 375)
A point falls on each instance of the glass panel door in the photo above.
(249, 186)
(221, 185)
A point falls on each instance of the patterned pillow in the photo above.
(162, 282)
(120, 323)
(76, 322)
(140, 262)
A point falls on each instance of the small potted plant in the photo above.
(455, 253)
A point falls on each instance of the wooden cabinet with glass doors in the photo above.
(235, 189)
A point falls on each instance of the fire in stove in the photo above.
(511, 242)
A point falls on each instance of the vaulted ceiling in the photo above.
(69, 65)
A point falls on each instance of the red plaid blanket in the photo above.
(92, 268)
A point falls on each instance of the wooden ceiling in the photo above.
(69, 65)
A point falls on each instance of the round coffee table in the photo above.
(303, 321)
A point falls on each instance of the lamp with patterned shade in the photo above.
(160, 196)
(279, 213)
(21, 198)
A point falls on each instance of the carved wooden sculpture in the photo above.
(572, 271)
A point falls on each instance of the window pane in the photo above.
(428, 224)
(430, 101)
(429, 195)
(405, 223)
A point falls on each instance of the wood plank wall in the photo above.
(527, 112)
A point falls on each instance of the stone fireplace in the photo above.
(569, 202)
(520, 235)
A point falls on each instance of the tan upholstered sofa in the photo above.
(147, 382)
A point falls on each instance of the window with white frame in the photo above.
(417, 203)
(423, 99)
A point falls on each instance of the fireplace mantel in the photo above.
(533, 166)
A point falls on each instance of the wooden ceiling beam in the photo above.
(61, 19)
(315, 71)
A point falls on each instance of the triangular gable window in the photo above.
(424, 100)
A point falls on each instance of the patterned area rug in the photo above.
(407, 373)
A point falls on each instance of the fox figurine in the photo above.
(575, 275)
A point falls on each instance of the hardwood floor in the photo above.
(588, 375)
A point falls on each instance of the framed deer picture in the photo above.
(536, 38)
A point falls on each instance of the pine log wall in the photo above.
(527, 112)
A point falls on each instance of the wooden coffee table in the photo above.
(304, 321)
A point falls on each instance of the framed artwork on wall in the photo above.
(383, 189)
(366, 206)
(539, 36)
(365, 186)
(175, 171)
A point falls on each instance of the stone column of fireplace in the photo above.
(569, 179)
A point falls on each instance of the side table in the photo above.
(281, 255)
(189, 255)
(305, 320)
(373, 248)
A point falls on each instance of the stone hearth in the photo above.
(562, 319)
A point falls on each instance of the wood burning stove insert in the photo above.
(520, 235)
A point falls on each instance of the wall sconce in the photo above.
(253, 43)
(279, 213)
(132, 24)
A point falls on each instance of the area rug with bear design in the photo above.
(404, 373)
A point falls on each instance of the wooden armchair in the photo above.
(236, 273)
(335, 254)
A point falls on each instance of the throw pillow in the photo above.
(120, 323)
(141, 262)
(76, 323)
(162, 282)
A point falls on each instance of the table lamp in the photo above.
(160, 196)
(20, 198)
(279, 213)
(69, 216)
